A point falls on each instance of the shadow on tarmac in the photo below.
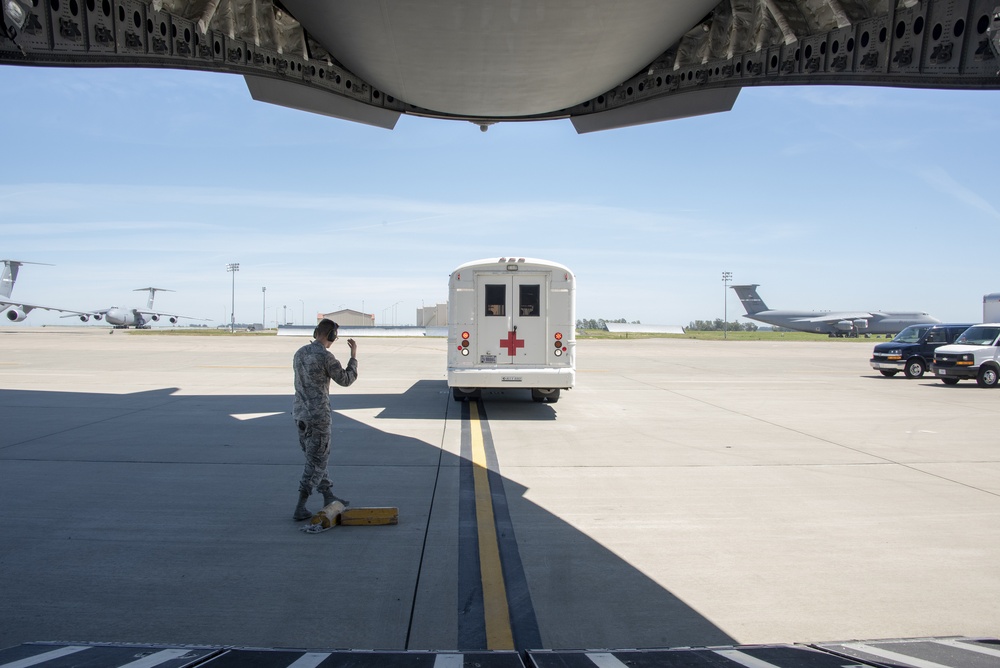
(158, 517)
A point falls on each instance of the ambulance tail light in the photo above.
(558, 347)
(464, 346)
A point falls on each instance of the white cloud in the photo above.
(944, 182)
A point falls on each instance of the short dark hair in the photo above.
(325, 330)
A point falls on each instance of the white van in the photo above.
(975, 354)
(511, 324)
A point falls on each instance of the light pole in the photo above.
(284, 316)
(233, 268)
(726, 277)
(263, 310)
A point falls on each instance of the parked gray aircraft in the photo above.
(118, 317)
(599, 64)
(834, 323)
(123, 317)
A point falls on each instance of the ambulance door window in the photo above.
(530, 300)
(496, 299)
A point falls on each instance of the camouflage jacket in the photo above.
(315, 367)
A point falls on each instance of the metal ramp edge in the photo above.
(936, 652)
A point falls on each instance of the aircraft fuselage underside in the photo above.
(931, 44)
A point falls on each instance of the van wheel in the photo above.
(888, 373)
(915, 368)
(950, 381)
(988, 376)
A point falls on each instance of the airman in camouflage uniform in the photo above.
(315, 366)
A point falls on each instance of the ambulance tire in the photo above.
(467, 394)
(551, 396)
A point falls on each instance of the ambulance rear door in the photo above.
(512, 318)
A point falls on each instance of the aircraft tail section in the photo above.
(9, 276)
(751, 300)
(152, 293)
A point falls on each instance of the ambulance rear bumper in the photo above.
(542, 378)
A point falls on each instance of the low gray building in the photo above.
(349, 318)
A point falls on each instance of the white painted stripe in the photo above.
(893, 656)
(42, 658)
(156, 659)
(968, 646)
(449, 661)
(252, 416)
(309, 660)
(605, 660)
(743, 659)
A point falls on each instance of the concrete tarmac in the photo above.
(686, 493)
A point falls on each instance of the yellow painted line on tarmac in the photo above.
(498, 631)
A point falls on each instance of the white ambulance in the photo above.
(511, 324)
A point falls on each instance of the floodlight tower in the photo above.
(726, 277)
(233, 267)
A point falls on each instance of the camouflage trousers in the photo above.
(315, 442)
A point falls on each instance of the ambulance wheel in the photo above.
(888, 373)
(950, 381)
(551, 396)
(467, 394)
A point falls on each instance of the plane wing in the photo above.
(86, 315)
(836, 317)
(18, 311)
(161, 314)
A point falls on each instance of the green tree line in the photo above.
(695, 325)
(717, 326)
(599, 323)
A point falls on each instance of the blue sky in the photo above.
(828, 197)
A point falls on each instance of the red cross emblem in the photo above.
(511, 343)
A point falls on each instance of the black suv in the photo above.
(913, 349)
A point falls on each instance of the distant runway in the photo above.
(686, 493)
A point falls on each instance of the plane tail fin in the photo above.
(9, 275)
(152, 293)
(751, 300)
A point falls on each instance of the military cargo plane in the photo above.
(123, 317)
(116, 316)
(833, 323)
